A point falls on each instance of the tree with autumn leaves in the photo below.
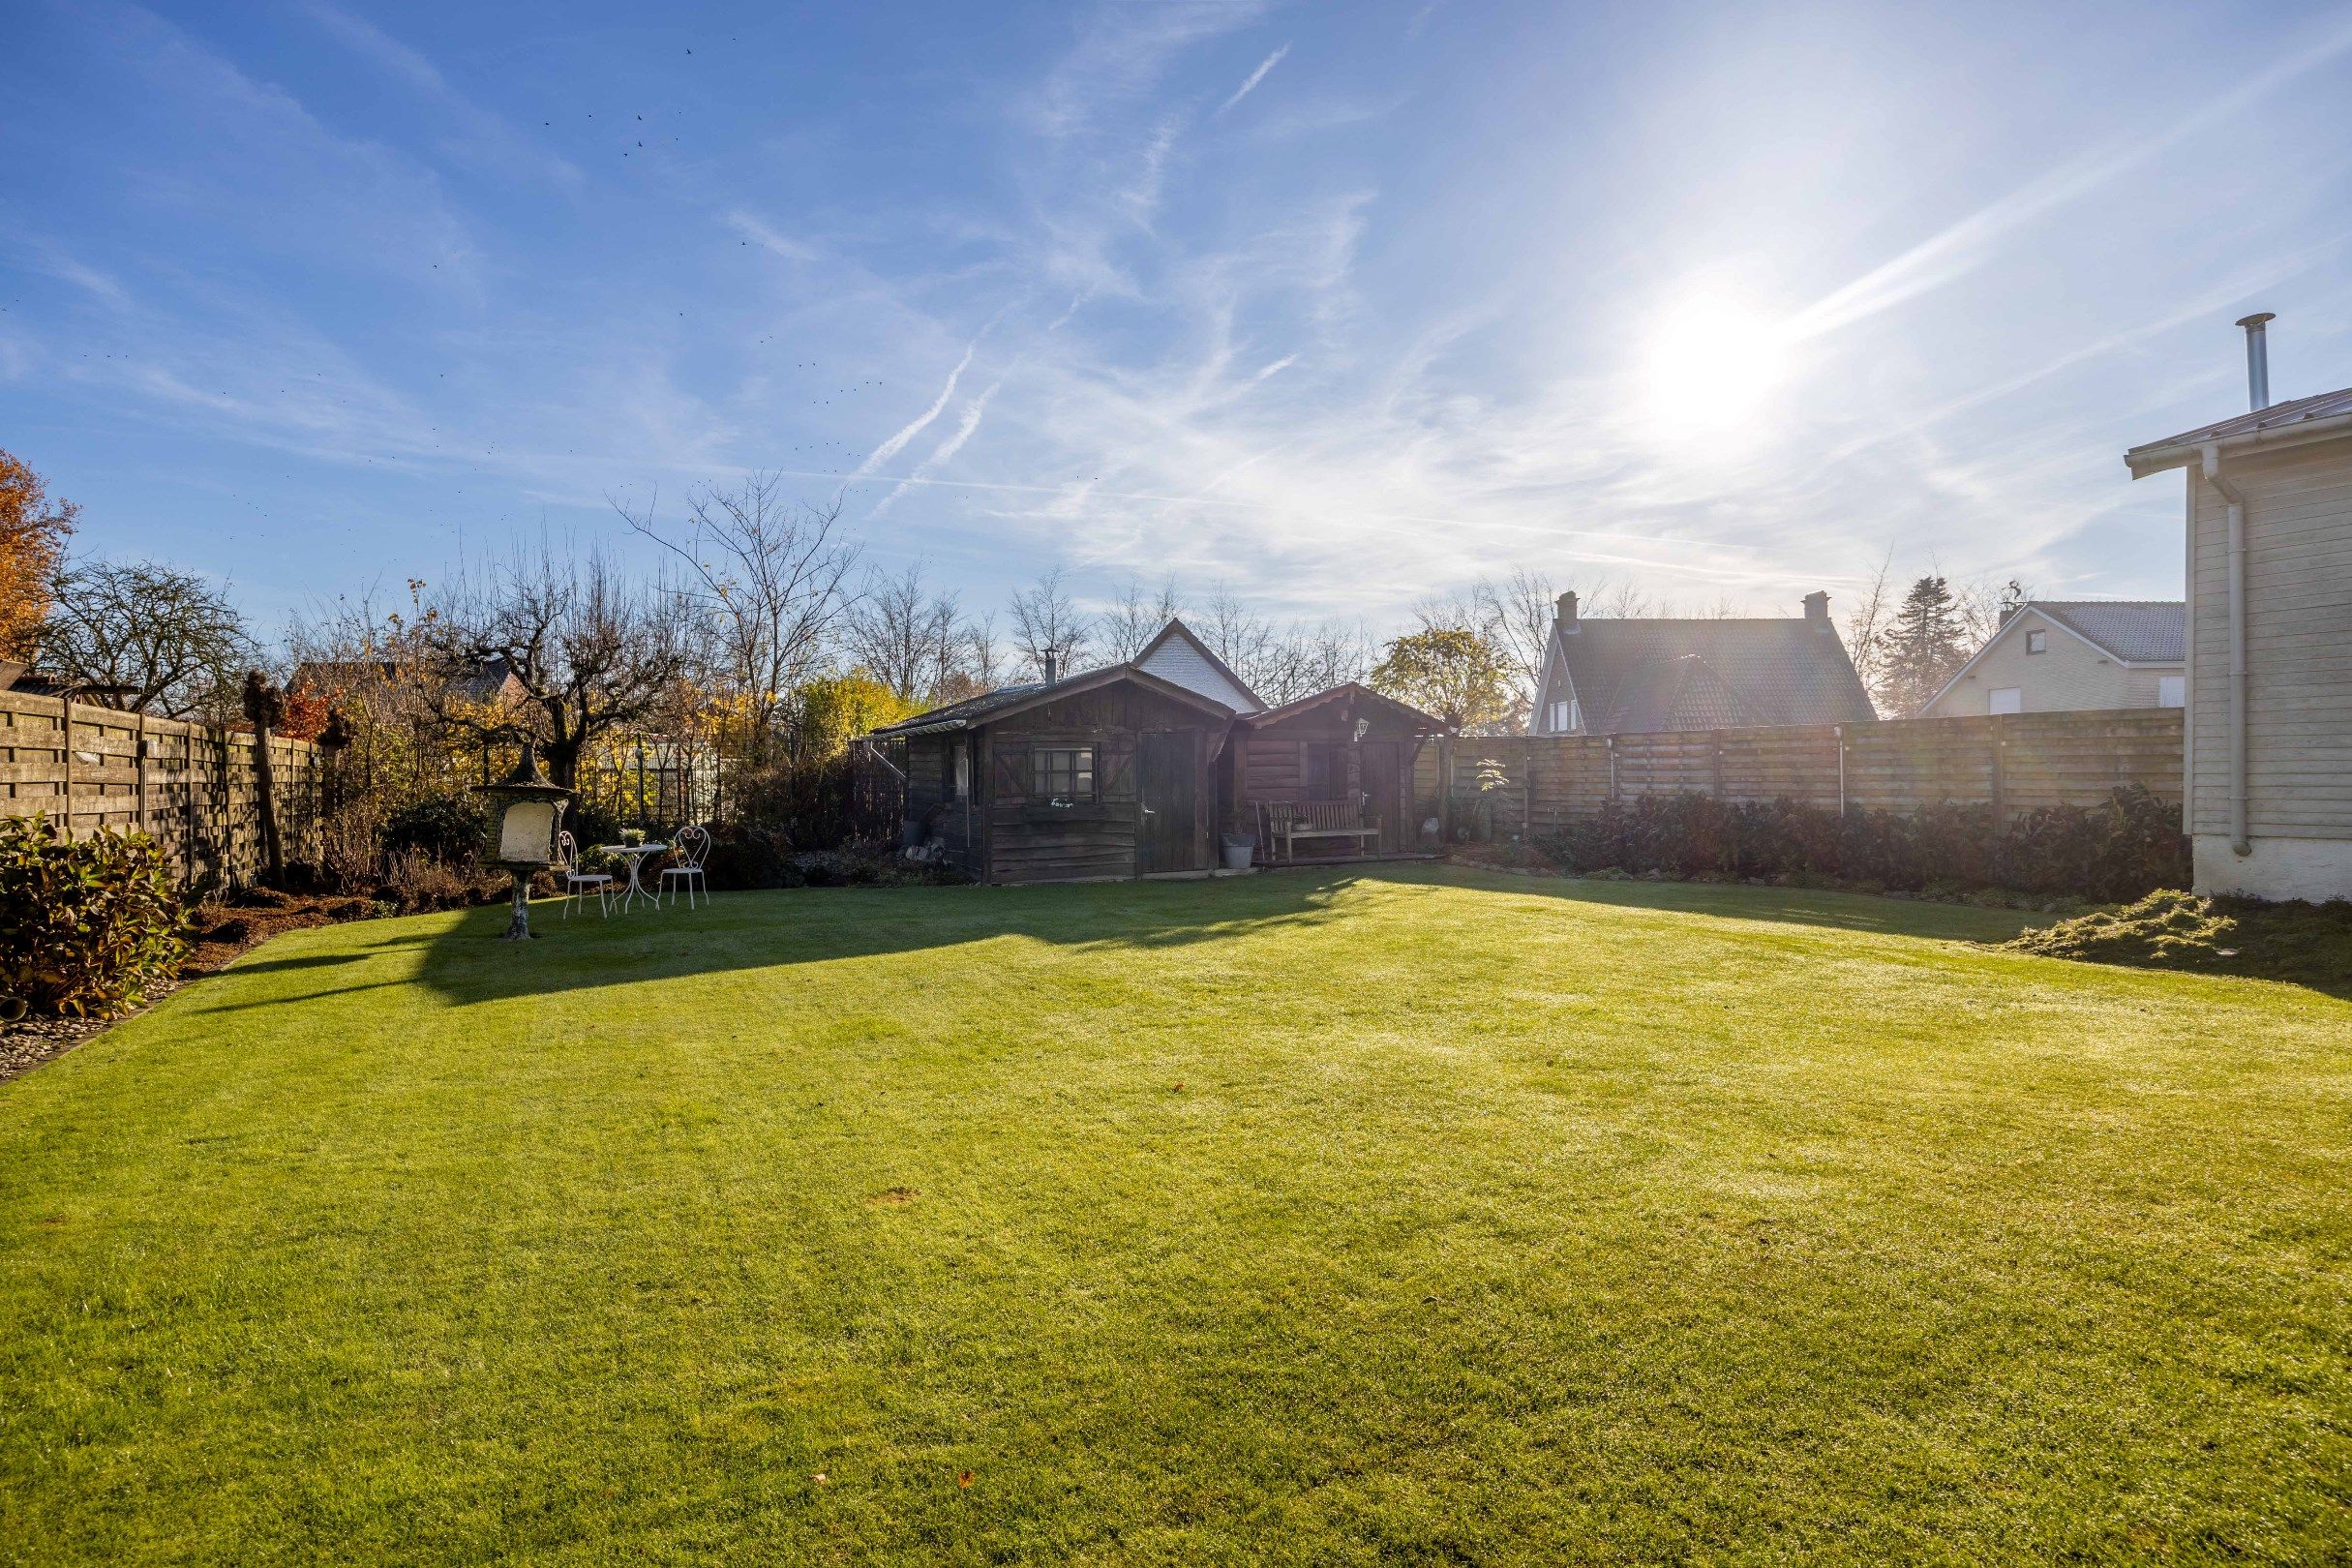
(1452, 672)
(34, 528)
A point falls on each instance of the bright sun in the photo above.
(1712, 363)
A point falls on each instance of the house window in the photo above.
(1062, 773)
(2007, 700)
(2038, 642)
(1560, 717)
(2172, 691)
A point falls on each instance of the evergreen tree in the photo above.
(1919, 649)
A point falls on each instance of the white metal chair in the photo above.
(578, 884)
(692, 846)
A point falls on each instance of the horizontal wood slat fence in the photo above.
(189, 786)
(2016, 762)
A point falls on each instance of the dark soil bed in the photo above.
(220, 932)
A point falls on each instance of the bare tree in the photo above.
(768, 576)
(1867, 622)
(1517, 611)
(594, 653)
(1045, 617)
(1311, 657)
(150, 638)
(906, 636)
(1985, 601)
(1136, 618)
(974, 664)
(1244, 639)
(1616, 599)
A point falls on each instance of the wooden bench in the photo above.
(1290, 821)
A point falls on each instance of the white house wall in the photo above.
(2299, 663)
(2070, 675)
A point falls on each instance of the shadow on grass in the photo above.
(467, 963)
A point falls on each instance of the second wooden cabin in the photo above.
(1138, 769)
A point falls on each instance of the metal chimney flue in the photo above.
(1053, 665)
(2257, 358)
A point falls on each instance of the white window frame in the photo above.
(2172, 691)
(2014, 694)
(2037, 640)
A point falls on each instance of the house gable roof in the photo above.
(2136, 631)
(1005, 701)
(2282, 424)
(1637, 675)
(2128, 631)
(1175, 653)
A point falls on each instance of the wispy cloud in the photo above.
(942, 454)
(481, 138)
(897, 442)
(1970, 243)
(1122, 52)
(1249, 85)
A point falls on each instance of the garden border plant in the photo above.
(2124, 848)
(89, 925)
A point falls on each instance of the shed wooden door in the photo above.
(1167, 792)
(1382, 765)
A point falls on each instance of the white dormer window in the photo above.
(2038, 642)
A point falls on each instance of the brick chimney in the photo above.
(1817, 606)
(1566, 606)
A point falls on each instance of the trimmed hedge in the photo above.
(87, 926)
(2122, 849)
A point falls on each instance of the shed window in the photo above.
(1326, 770)
(1062, 773)
(2038, 642)
(962, 782)
(2172, 691)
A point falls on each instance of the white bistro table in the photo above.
(637, 855)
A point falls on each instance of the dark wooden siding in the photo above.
(1273, 762)
(1029, 841)
(932, 800)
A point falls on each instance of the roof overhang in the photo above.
(2144, 461)
(1075, 685)
(1293, 708)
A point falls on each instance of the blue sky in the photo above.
(1343, 304)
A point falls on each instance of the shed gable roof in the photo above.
(1634, 676)
(1175, 653)
(1005, 701)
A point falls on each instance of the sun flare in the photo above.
(1712, 364)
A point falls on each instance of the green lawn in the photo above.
(1425, 1217)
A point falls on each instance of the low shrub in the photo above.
(2121, 849)
(416, 882)
(447, 828)
(88, 926)
(754, 857)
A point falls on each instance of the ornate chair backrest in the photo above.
(693, 842)
(567, 851)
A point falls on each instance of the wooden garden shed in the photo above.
(1103, 775)
(1328, 775)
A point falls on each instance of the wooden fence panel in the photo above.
(194, 788)
(2018, 762)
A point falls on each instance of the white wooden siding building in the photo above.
(2269, 775)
